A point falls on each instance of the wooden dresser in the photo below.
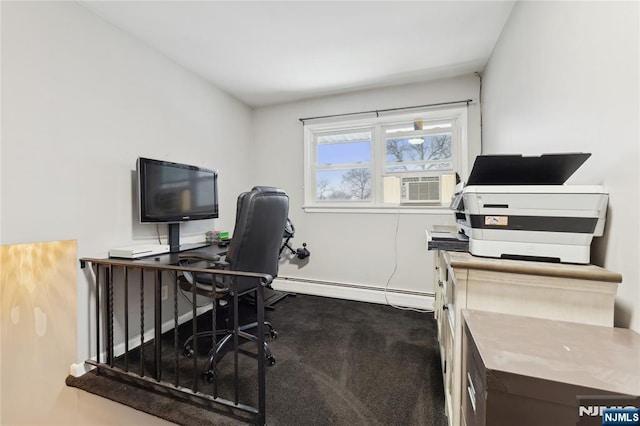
(576, 293)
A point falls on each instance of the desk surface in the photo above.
(174, 258)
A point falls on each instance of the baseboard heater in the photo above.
(358, 292)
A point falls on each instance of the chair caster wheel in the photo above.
(271, 360)
(273, 334)
(209, 376)
(188, 352)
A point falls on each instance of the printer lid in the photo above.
(545, 169)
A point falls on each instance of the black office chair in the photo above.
(255, 246)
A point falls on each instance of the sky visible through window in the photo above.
(344, 153)
(335, 154)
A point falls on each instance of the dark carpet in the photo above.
(338, 362)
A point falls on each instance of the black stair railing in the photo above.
(150, 364)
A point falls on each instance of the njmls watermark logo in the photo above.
(608, 410)
(621, 416)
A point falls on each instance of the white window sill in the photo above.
(439, 210)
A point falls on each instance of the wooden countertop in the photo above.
(561, 270)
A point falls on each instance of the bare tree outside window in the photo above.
(440, 147)
(339, 194)
(433, 147)
(323, 188)
(358, 183)
(396, 149)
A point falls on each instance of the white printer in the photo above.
(517, 207)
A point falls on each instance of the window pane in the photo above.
(343, 184)
(348, 148)
(429, 147)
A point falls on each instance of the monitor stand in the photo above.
(174, 237)
(174, 240)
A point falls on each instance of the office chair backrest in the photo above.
(244, 194)
(255, 244)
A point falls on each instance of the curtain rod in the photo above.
(378, 111)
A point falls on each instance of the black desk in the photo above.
(174, 258)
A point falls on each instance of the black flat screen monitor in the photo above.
(172, 192)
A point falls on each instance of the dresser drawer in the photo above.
(474, 386)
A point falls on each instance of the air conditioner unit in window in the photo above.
(420, 189)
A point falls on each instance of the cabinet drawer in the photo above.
(474, 387)
(449, 287)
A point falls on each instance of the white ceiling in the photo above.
(268, 52)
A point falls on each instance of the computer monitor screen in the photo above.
(173, 192)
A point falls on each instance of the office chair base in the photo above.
(216, 353)
(210, 375)
(188, 349)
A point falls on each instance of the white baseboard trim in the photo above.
(396, 298)
(77, 370)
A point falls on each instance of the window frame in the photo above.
(377, 124)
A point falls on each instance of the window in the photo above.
(344, 166)
(401, 161)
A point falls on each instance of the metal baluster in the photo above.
(158, 325)
(126, 318)
(110, 316)
(175, 326)
(97, 313)
(194, 344)
(261, 354)
(235, 341)
(141, 322)
(214, 362)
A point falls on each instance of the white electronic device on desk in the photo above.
(518, 207)
(139, 251)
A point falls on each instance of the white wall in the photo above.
(354, 248)
(563, 77)
(81, 100)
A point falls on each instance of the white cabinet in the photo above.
(576, 293)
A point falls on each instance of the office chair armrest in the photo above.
(209, 257)
(214, 261)
(219, 291)
(219, 264)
